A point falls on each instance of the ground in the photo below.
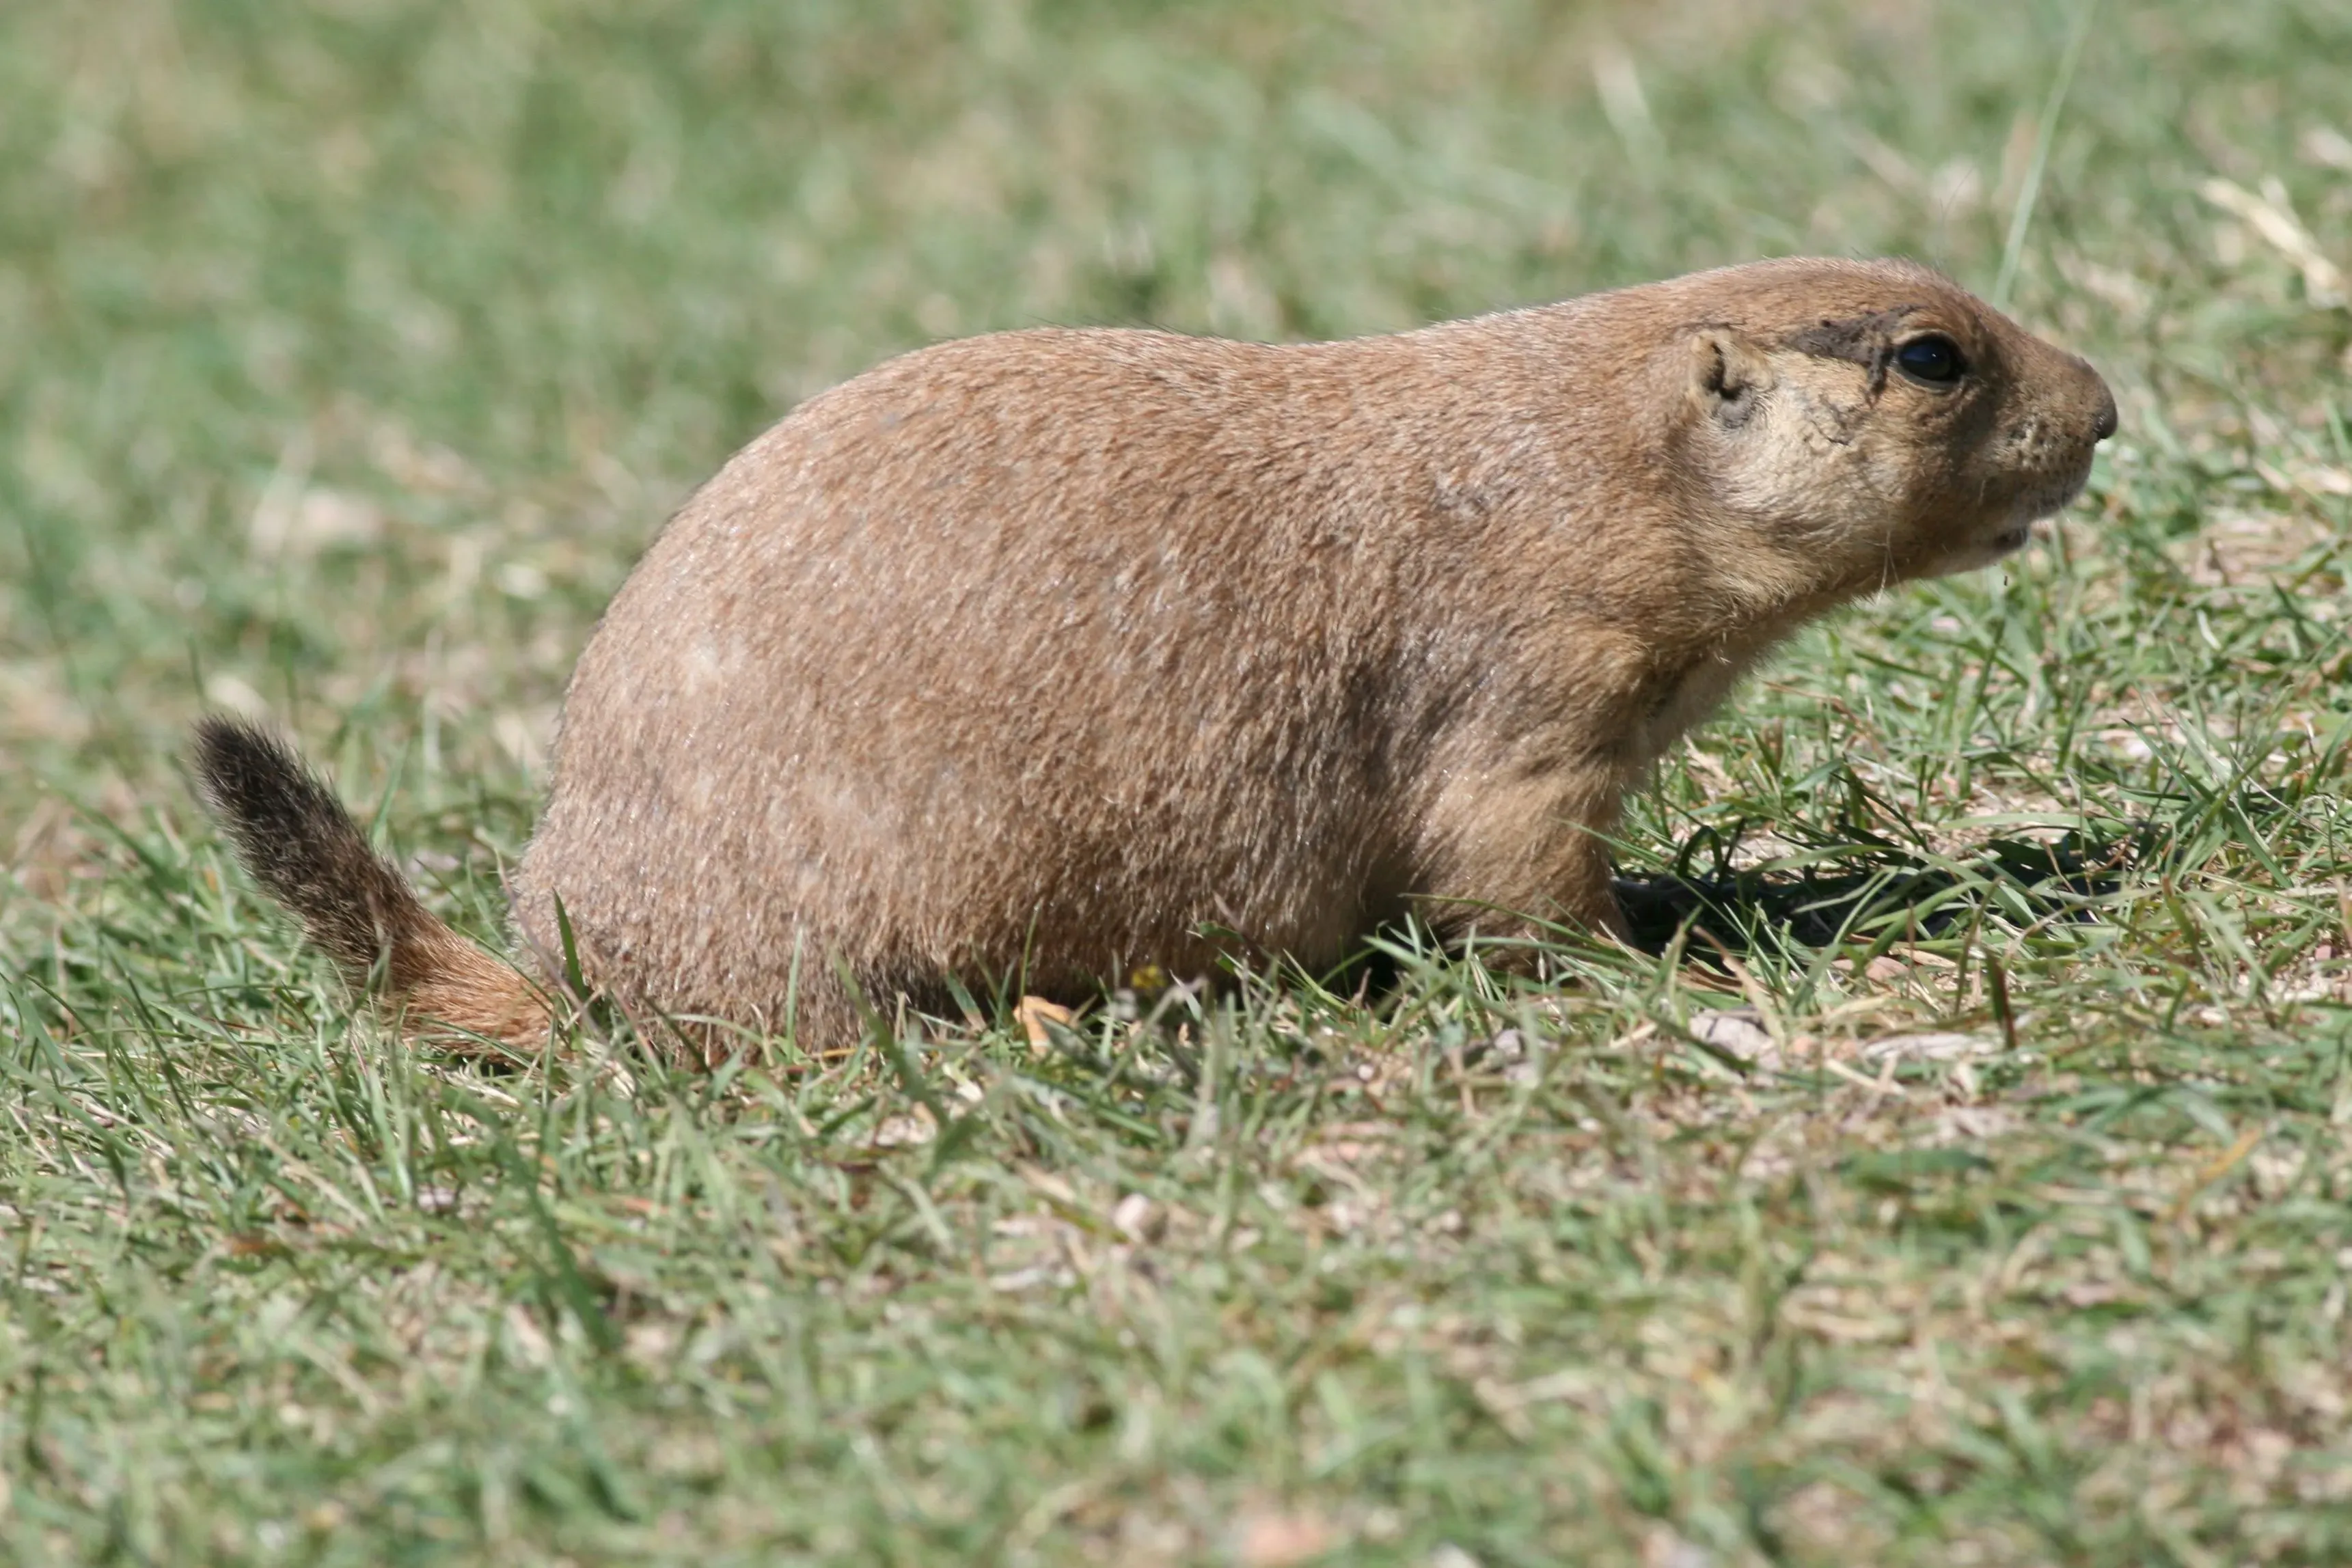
(1967, 1184)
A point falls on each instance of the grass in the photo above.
(347, 354)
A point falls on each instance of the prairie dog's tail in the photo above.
(300, 844)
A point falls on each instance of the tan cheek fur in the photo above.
(1032, 658)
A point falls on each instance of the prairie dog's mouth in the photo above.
(2010, 540)
(1983, 549)
(2035, 507)
(2056, 497)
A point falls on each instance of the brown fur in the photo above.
(1050, 653)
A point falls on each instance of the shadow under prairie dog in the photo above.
(1059, 652)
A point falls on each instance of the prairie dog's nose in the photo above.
(2102, 423)
(2097, 397)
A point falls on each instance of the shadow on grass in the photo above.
(1859, 890)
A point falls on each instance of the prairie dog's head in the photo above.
(1863, 423)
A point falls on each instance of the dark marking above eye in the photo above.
(1864, 340)
(1931, 358)
(1859, 339)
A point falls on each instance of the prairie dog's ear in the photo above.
(1730, 376)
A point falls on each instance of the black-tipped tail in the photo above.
(300, 843)
(301, 846)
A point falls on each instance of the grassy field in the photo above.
(1991, 1203)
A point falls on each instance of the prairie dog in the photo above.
(1050, 653)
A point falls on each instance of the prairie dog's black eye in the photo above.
(1931, 358)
